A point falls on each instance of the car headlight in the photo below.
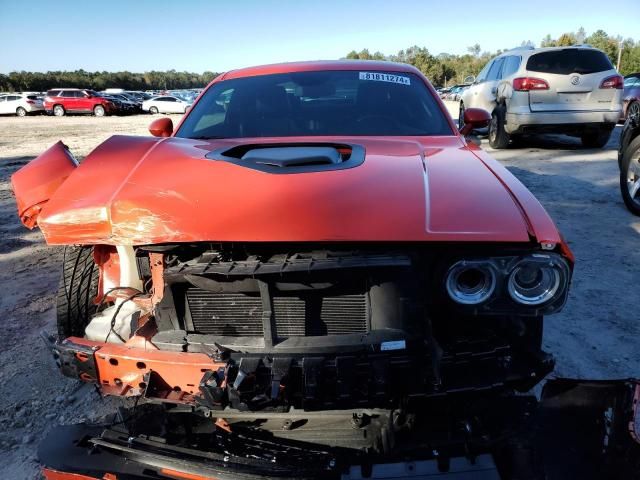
(534, 280)
(470, 282)
(533, 284)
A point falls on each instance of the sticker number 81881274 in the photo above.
(385, 77)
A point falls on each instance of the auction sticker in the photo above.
(385, 77)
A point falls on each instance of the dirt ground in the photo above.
(595, 336)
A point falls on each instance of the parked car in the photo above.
(314, 239)
(568, 90)
(20, 104)
(456, 92)
(631, 96)
(165, 104)
(139, 96)
(629, 163)
(127, 104)
(60, 101)
(122, 105)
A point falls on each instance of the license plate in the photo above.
(384, 77)
(573, 97)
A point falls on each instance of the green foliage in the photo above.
(608, 45)
(42, 81)
(365, 55)
(566, 40)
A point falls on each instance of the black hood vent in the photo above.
(292, 157)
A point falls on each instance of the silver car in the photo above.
(568, 90)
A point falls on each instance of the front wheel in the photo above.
(498, 137)
(21, 112)
(58, 111)
(98, 111)
(596, 138)
(630, 177)
(77, 291)
(153, 110)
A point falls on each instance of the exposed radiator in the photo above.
(237, 314)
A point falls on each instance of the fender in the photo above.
(35, 183)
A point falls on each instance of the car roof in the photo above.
(529, 51)
(320, 65)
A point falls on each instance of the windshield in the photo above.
(316, 103)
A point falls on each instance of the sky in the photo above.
(216, 35)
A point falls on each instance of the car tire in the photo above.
(596, 138)
(77, 290)
(461, 116)
(99, 111)
(153, 110)
(633, 110)
(498, 137)
(630, 176)
(21, 112)
(58, 110)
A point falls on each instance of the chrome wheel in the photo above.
(98, 111)
(21, 112)
(153, 110)
(633, 180)
(634, 110)
(58, 110)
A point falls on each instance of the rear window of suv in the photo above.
(569, 60)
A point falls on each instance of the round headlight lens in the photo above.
(470, 283)
(533, 283)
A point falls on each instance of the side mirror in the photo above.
(474, 118)
(162, 127)
(88, 95)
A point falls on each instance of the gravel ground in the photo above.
(595, 336)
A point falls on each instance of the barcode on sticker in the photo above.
(385, 77)
(394, 345)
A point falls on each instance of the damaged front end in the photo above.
(228, 328)
(578, 429)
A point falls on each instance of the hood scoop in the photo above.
(292, 157)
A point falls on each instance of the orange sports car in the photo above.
(314, 254)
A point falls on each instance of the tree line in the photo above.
(441, 69)
(154, 80)
(447, 69)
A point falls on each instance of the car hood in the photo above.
(143, 190)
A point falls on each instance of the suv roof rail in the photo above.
(521, 47)
(585, 45)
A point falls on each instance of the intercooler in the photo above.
(240, 314)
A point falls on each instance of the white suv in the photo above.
(20, 104)
(570, 90)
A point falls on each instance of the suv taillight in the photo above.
(30, 102)
(524, 84)
(614, 81)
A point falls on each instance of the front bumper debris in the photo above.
(579, 429)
